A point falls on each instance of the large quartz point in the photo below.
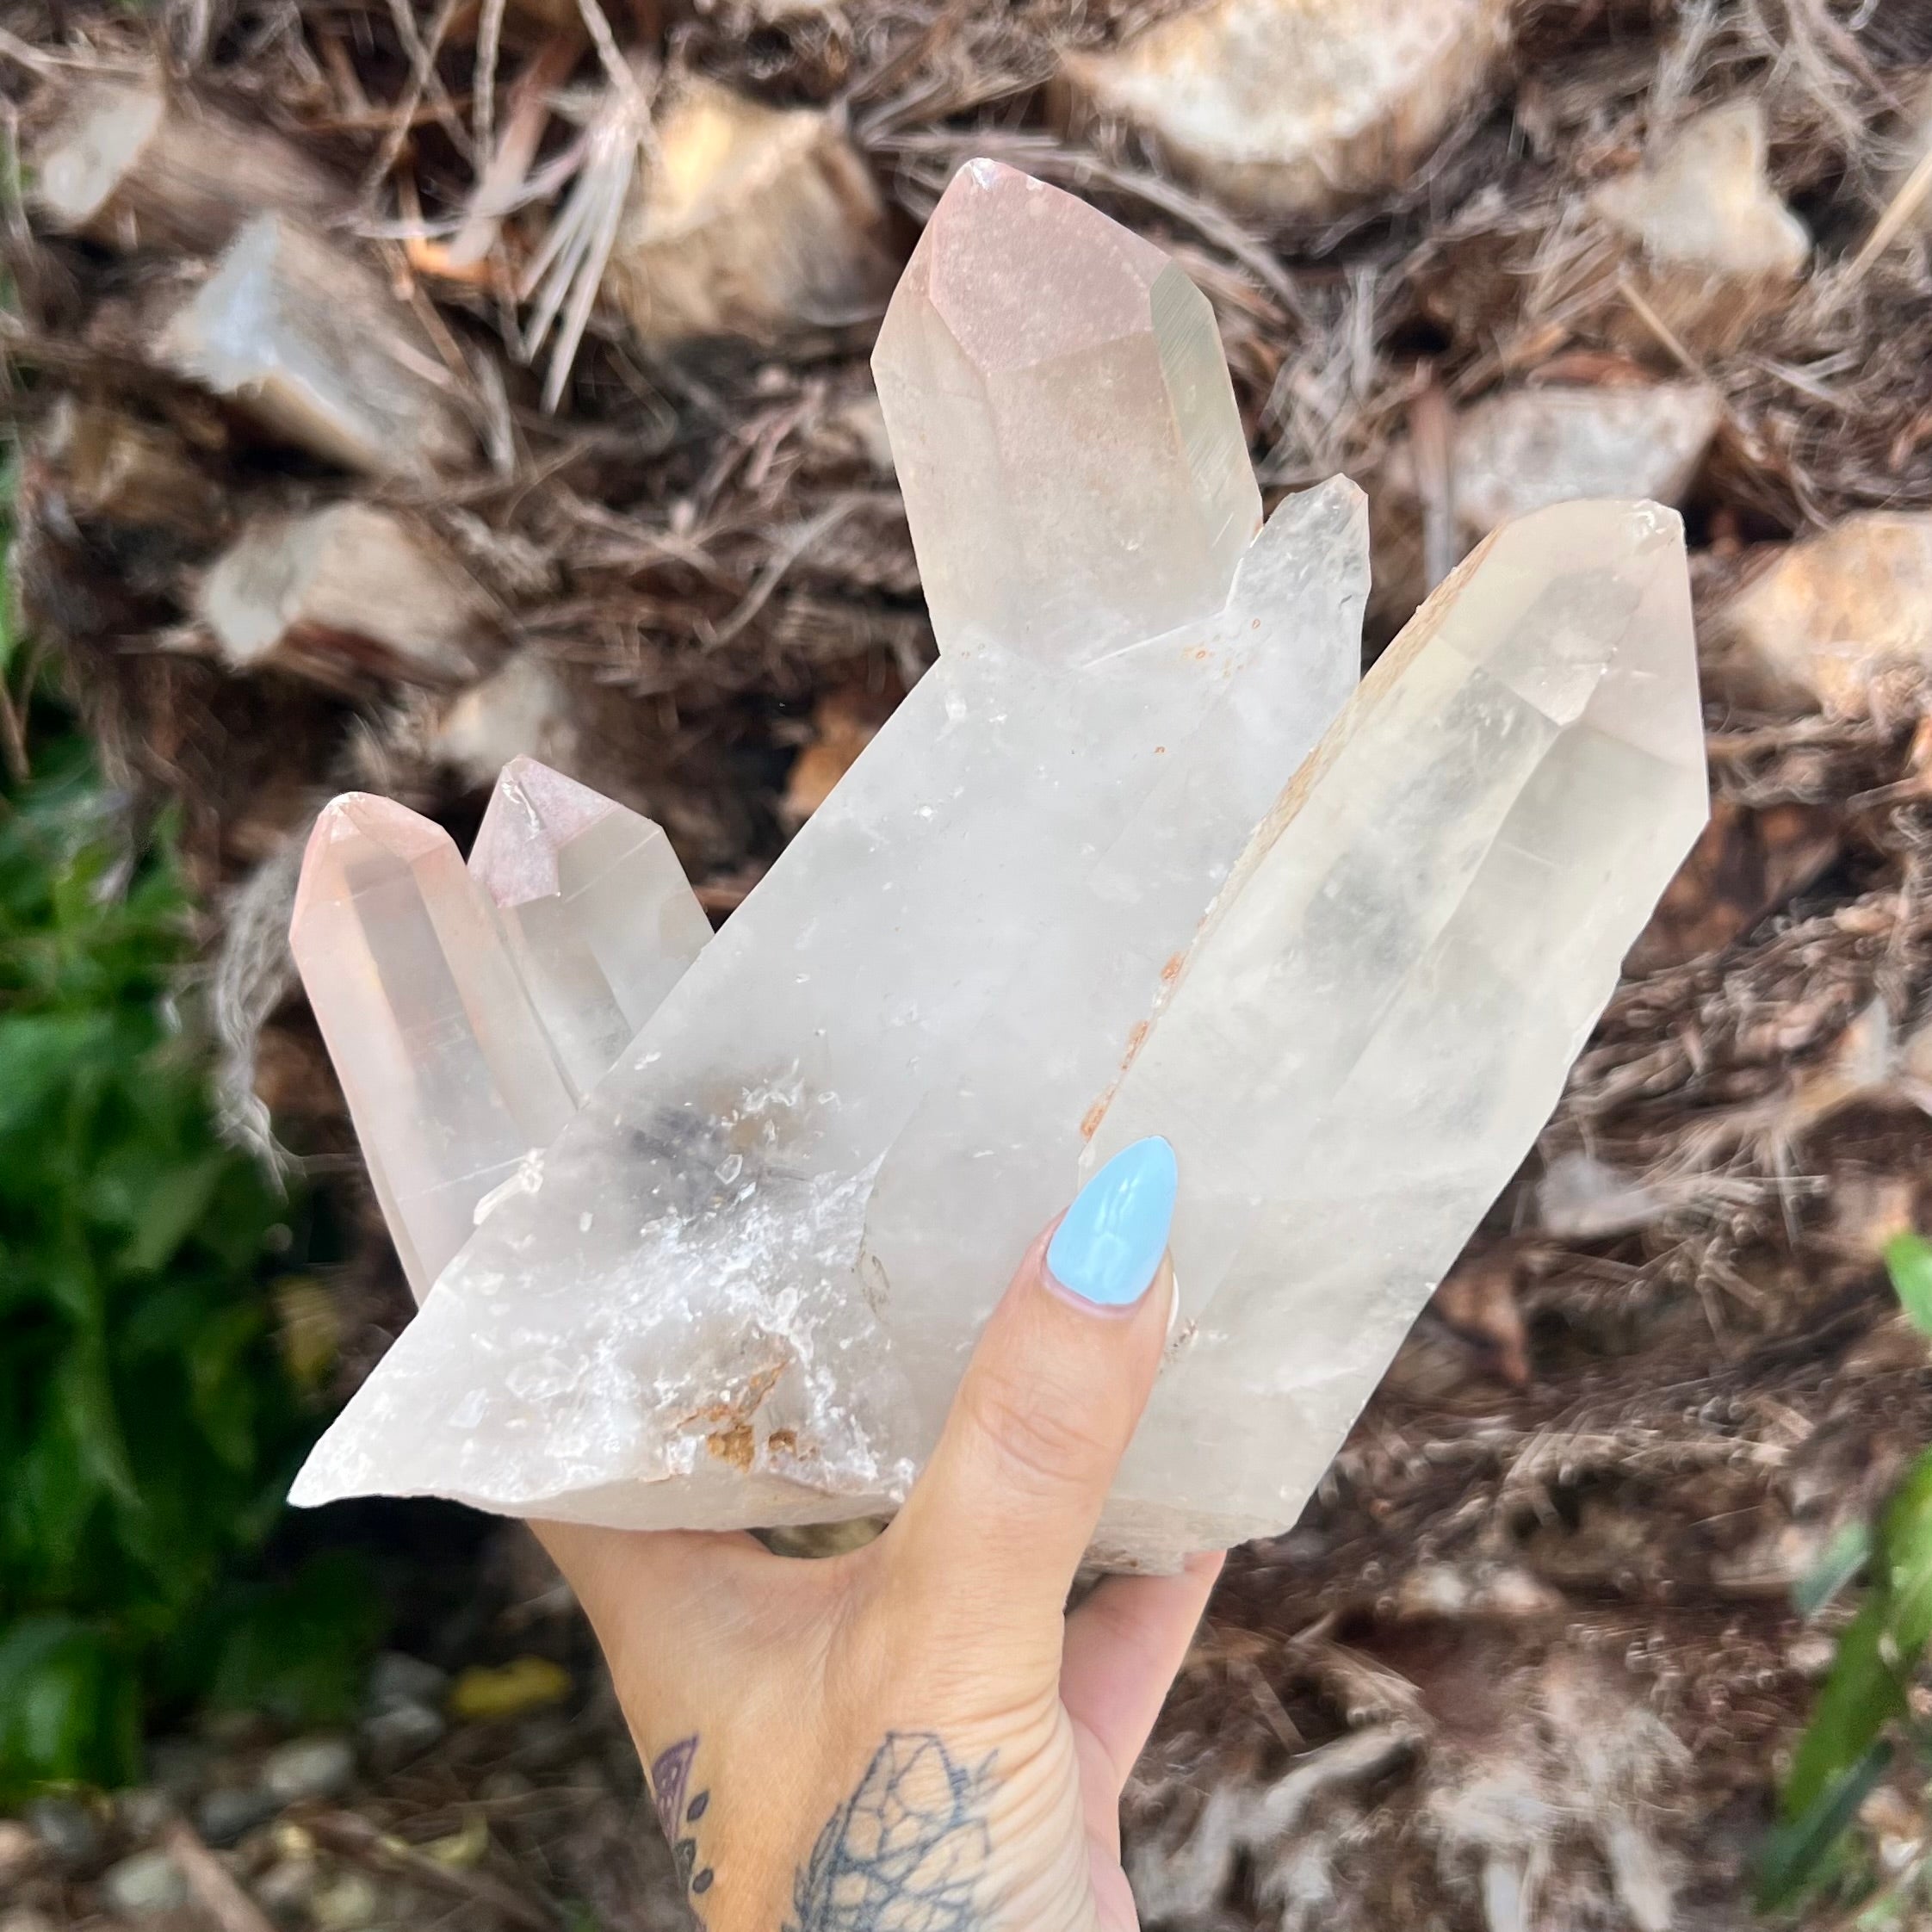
(1086, 883)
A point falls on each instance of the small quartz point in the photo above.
(594, 909)
(447, 1075)
(1086, 883)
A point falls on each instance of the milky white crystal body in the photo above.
(1378, 1017)
(745, 1286)
(449, 1077)
(594, 909)
(756, 1257)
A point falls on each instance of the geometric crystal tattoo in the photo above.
(906, 1852)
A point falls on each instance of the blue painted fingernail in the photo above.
(1108, 1249)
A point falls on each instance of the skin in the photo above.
(933, 1684)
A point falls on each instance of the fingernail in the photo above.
(1107, 1249)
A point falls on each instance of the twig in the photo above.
(1432, 433)
(351, 1837)
(1660, 329)
(1903, 205)
(211, 1885)
(801, 539)
(504, 176)
(423, 81)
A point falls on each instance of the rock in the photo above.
(141, 1812)
(751, 221)
(1842, 621)
(69, 1831)
(144, 1886)
(344, 1901)
(20, 1852)
(343, 596)
(309, 1767)
(1298, 106)
(1718, 246)
(286, 1887)
(797, 1191)
(522, 710)
(400, 1732)
(1523, 450)
(179, 1765)
(140, 165)
(230, 1812)
(396, 1678)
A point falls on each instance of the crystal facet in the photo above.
(1081, 887)
(447, 1075)
(595, 909)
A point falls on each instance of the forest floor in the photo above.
(1531, 1657)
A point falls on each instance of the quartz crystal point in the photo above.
(1063, 426)
(1377, 1018)
(447, 1075)
(1083, 886)
(595, 909)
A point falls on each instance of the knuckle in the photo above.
(1039, 1440)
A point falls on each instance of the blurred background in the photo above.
(393, 386)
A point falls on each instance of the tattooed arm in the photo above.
(917, 1735)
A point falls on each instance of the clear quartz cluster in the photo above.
(1135, 856)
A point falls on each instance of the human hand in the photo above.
(918, 1735)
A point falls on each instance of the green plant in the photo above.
(1865, 1715)
(148, 1421)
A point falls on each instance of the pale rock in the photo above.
(449, 1078)
(309, 1767)
(595, 911)
(522, 710)
(1581, 1198)
(144, 1886)
(311, 342)
(1842, 620)
(742, 1285)
(1718, 245)
(1298, 106)
(344, 594)
(1523, 450)
(749, 220)
(134, 164)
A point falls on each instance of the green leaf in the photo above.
(297, 1650)
(1835, 1565)
(70, 1707)
(1908, 1259)
(1797, 1856)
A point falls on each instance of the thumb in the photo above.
(996, 1525)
